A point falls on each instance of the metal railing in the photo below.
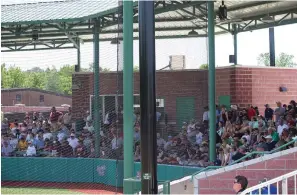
(269, 187)
(247, 156)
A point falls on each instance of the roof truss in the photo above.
(173, 20)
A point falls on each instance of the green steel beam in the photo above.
(87, 29)
(37, 49)
(128, 91)
(268, 25)
(97, 124)
(62, 41)
(102, 32)
(211, 82)
(202, 18)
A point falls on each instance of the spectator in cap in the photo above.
(270, 143)
(240, 184)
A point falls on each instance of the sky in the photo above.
(250, 45)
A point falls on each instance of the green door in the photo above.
(185, 110)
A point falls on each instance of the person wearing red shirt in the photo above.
(251, 112)
(55, 116)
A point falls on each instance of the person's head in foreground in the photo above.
(240, 184)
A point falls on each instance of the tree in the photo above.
(283, 60)
(91, 69)
(264, 59)
(204, 66)
(136, 68)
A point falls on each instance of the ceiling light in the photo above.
(267, 19)
(193, 33)
(115, 41)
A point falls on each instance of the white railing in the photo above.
(284, 185)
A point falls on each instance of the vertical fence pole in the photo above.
(96, 88)
(211, 82)
(128, 91)
(147, 62)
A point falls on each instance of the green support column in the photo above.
(128, 91)
(96, 88)
(235, 42)
(211, 82)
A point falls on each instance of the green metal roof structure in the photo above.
(62, 24)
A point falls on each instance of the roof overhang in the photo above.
(68, 23)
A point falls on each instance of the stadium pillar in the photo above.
(147, 62)
(96, 88)
(235, 42)
(211, 82)
(78, 56)
(271, 47)
(128, 91)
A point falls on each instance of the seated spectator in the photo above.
(6, 149)
(73, 141)
(31, 150)
(39, 142)
(80, 150)
(65, 150)
(47, 134)
(22, 144)
(160, 141)
(239, 154)
(30, 137)
(281, 126)
(13, 142)
(270, 143)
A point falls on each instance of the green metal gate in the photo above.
(185, 109)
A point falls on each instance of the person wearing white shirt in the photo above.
(73, 141)
(6, 149)
(205, 114)
(116, 142)
(199, 137)
(31, 150)
(67, 118)
(13, 142)
(281, 127)
(160, 141)
(47, 135)
(61, 135)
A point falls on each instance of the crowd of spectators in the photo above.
(239, 131)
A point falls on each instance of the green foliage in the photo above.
(136, 68)
(51, 79)
(204, 66)
(283, 60)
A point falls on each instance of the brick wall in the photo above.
(245, 85)
(169, 86)
(32, 98)
(221, 181)
(266, 83)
